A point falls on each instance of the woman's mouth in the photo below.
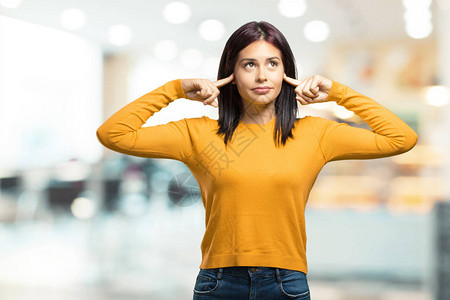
(262, 90)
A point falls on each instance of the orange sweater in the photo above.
(255, 194)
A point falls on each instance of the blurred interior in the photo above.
(80, 221)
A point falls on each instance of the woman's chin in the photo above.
(259, 101)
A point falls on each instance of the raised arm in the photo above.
(389, 136)
(123, 131)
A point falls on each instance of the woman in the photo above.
(257, 163)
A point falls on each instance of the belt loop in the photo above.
(277, 274)
(219, 274)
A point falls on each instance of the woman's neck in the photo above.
(258, 114)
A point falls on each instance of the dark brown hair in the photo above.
(231, 109)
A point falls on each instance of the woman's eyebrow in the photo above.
(252, 59)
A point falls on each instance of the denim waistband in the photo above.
(246, 270)
(253, 271)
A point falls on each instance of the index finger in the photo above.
(224, 81)
(291, 81)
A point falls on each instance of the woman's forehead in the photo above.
(260, 49)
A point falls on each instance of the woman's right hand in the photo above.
(204, 90)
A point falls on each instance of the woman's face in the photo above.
(258, 73)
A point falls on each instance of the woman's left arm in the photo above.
(390, 135)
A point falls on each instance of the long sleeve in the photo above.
(123, 131)
(390, 135)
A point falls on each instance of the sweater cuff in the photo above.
(178, 88)
(337, 92)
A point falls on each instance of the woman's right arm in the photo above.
(123, 131)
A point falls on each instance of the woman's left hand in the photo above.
(313, 89)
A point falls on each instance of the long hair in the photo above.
(231, 109)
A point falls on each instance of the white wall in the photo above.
(50, 96)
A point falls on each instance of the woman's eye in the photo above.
(251, 65)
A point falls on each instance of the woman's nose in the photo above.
(261, 75)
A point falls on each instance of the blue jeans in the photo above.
(251, 283)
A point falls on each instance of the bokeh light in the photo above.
(120, 35)
(292, 8)
(73, 18)
(438, 95)
(211, 30)
(83, 208)
(177, 12)
(316, 31)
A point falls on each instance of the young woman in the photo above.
(257, 163)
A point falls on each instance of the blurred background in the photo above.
(78, 221)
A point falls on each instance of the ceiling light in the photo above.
(416, 3)
(120, 35)
(73, 18)
(437, 95)
(417, 17)
(211, 30)
(83, 208)
(316, 31)
(413, 15)
(292, 8)
(419, 29)
(176, 12)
